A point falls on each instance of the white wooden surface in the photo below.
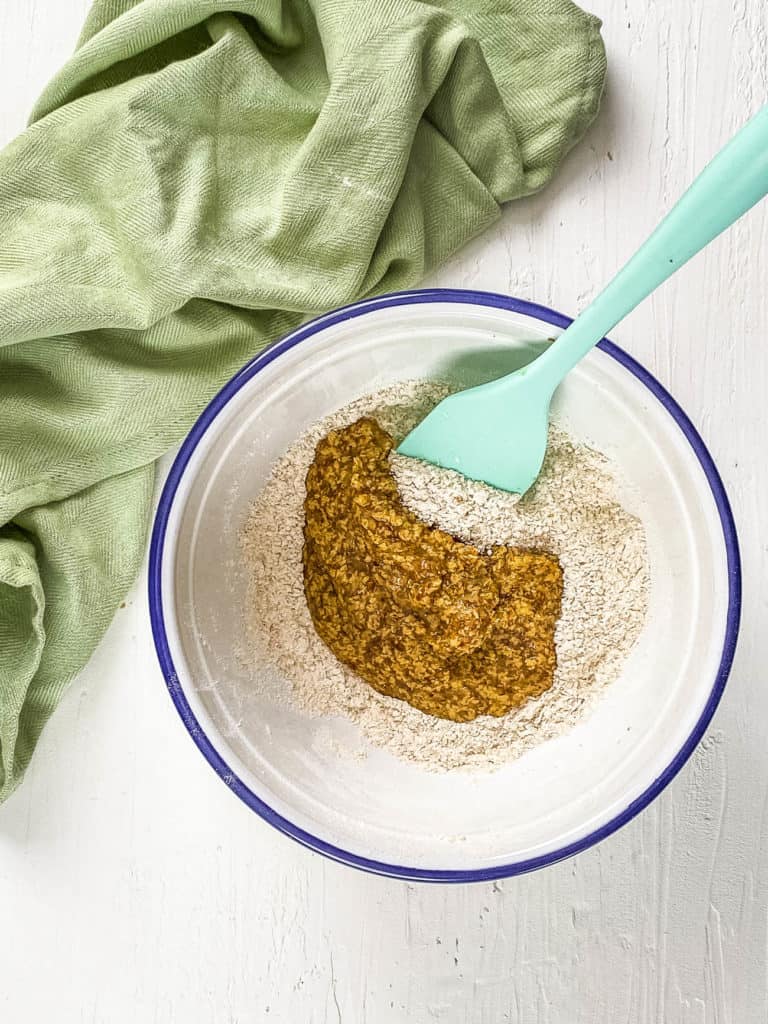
(134, 887)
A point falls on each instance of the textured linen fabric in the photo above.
(200, 177)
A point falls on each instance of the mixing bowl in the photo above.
(379, 813)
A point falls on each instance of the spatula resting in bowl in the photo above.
(497, 432)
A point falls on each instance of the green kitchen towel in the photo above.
(200, 177)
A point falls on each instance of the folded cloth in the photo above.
(200, 177)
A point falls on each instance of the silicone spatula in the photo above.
(497, 432)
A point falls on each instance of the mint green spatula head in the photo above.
(497, 433)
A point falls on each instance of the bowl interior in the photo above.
(379, 807)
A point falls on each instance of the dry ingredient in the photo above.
(572, 511)
(419, 615)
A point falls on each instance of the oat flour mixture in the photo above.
(572, 512)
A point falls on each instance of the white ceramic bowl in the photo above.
(379, 813)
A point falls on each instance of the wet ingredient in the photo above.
(419, 615)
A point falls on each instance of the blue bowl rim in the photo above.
(204, 745)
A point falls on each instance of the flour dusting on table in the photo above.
(572, 511)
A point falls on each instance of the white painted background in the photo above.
(135, 888)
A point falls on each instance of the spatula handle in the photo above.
(732, 183)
